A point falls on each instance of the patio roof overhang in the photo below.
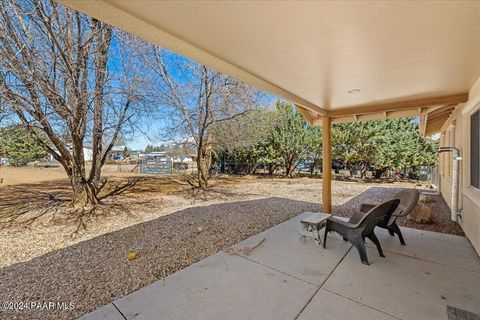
(434, 119)
(346, 60)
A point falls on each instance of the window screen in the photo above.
(475, 150)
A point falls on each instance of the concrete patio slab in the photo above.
(107, 312)
(294, 223)
(282, 250)
(406, 287)
(222, 286)
(285, 278)
(330, 306)
(432, 246)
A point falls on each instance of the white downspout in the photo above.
(456, 158)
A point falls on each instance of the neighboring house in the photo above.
(458, 177)
(118, 152)
(181, 162)
(157, 155)
(87, 153)
(134, 154)
(184, 162)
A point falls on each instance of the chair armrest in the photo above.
(400, 212)
(356, 217)
(365, 207)
(346, 219)
(344, 223)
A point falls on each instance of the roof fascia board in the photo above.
(401, 105)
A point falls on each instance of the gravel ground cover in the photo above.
(170, 227)
(149, 199)
(95, 272)
(441, 213)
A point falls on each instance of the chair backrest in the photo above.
(408, 200)
(377, 214)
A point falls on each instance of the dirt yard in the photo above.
(11, 176)
(161, 218)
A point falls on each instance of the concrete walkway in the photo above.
(285, 278)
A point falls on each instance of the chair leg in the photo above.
(360, 245)
(325, 236)
(391, 232)
(395, 228)
(374, 239)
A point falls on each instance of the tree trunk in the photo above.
(271, 169)
(222, 167)
(363, 171)
(352, 170)
(380, 172)
(84, 193)
(288, 160)
(202, 169)
(313, 165)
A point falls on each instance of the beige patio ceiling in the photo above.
(348, 60)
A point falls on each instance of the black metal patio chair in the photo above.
(361, 226)
(408, 200)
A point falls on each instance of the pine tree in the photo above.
(19, 146)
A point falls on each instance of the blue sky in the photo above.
(155, 130)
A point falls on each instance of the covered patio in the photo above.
(436, 276)
(337, 62)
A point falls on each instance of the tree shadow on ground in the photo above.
(30, 201)
(27, 202)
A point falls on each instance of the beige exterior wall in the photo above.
(456, 133)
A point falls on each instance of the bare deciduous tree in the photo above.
(197, 98)
(55, 77)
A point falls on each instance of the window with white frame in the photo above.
(475, 149)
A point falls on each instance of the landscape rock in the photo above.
(426, 198)
(421, 214)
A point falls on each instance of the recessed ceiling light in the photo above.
(353, 91)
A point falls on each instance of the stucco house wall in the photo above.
(456, 133)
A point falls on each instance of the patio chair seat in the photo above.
(408, 200)
(361, 226)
